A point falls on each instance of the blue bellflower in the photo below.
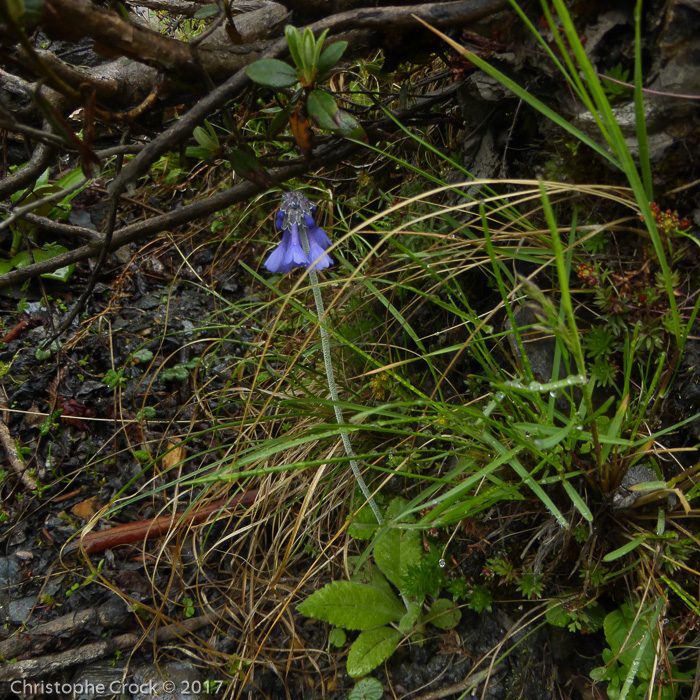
(295, 216)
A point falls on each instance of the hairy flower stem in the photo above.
(330, 377)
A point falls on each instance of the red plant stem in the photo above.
(153, 527)
(21, 325)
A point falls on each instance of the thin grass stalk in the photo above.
(563, 274)
(620, 148)
(640, 120)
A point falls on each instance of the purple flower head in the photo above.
(299, 230)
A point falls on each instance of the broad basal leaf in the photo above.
(354, 606)
(396, 549)
(370, 649)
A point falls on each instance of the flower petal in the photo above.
(296, 252)
(276, 262)
(316, 233)
(318, 254)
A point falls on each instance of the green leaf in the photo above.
(294, 41)
(62, 274)
(408, 621)
(349, 127)
(143, 355)
(370, 649)
(354, 606)
(367, 689)
(556, 615)
(178, 373)
(337, 637)
(444, 614)
(323, 108)
(625, 635)
(364, 524)
(318, 47)
(330, 56)
(145, 413)
(142, 455)
(480, 599)
(206, 138)
(207, 11)
(308, 48)
(272, 73)
(397, 549)
(625, 549)
(280, 120)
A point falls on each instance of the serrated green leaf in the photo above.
(370, 649)
(367, 689)
(364, 524)
(354, 606)
(207, 11)
(272, 73)
(372, 576)
(408, 621)
(397, 549)
(330, 56)
(444, 614)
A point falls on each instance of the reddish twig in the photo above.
(153, 527)
(24, 324)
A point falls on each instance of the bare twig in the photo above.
(55, 663)
(17, 466)
(113, 613)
